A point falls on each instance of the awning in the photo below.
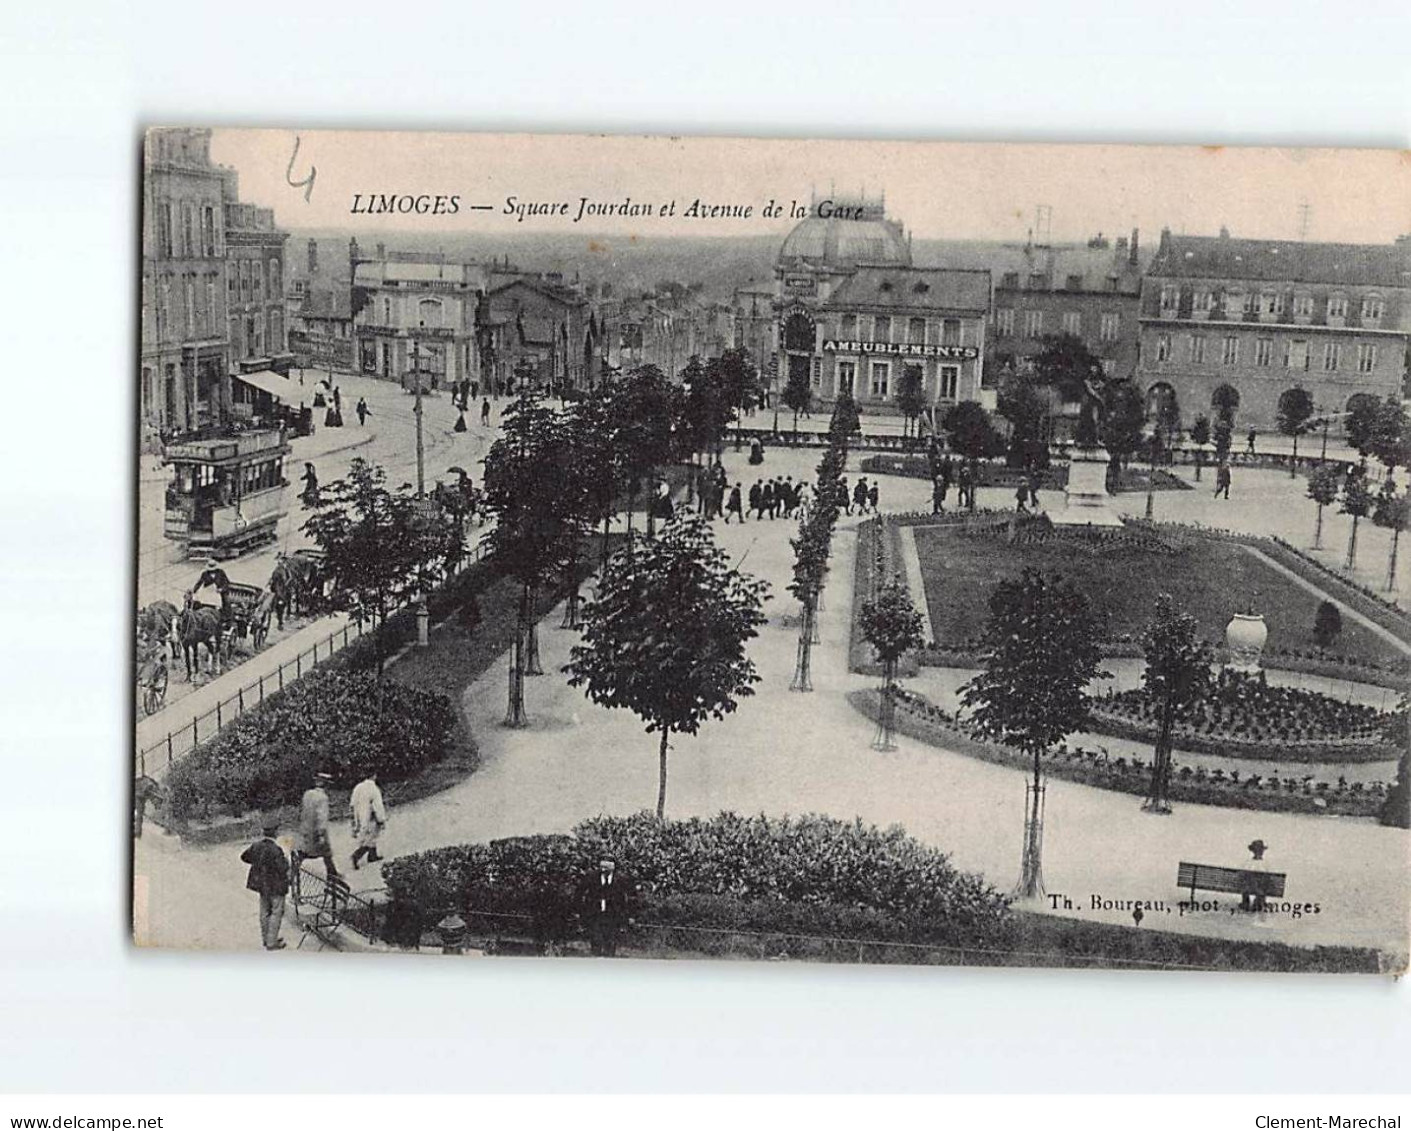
(268, 381)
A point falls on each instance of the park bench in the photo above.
(320, 903)
(1253, 887)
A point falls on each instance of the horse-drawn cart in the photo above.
(250, 609)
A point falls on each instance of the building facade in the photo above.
(184, 382)
(1092, 292)
(852, 312)
(254, 285)
(536, 329)
(321, 334)
(415, 311)
(1263, 316)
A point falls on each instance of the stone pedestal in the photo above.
(1085, 501)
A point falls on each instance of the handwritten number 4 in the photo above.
(307, 184)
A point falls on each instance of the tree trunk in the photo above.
(514, 711)
(1318, 530)
(1351, 547)
(531, 663)
(886, 708)
(570, 610)
(607, 522)
(661, 775)
(1293, 466)
(1391, 567)
(1031, 883)
(803, 676)
(1157, 799)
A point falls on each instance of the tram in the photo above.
(227, 494)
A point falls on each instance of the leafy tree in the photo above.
(798, 395)
(1396, 810)
(740, 380)
(593, 458)
(1327, 624)
(845, 422)
(1041, 653)
(376, 540)
(1122, 420)
(643, 410)
(1357, 502)
(1177, 674)
(811, 550)
(1361, 423)
(910, 397)
(1323, 487)
(1391, 437)
(1020, 403)
(1224, 438)
(1390, 512)
(971, 433)
(1200, 436)
(1295, 410)
(666, 636)
(537, 522)
(1226, 400)
(891, 624)
(1066, 364)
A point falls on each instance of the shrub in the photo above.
(1327, 624)
(347, 724)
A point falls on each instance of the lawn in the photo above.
(1210, 579)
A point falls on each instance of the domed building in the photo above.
(851, 311)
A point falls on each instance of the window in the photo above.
(1271, 304)
(1337, 306)
(1203, 302)
(1037, 281)
(1163, 347)
(881, 378)
(948, 377)
(428, 312)
(275, 278)
(950, 332)
(188, 234)
(210, 316)
(164, 246)
(1263, 351)
(387, 312)
(208, 231)
(816, 373)
(1072, 323)
(257, 272)
(1109, 327)
(257, 346)
(1004, 322)
(276, 330)
(1303, 305)
(1366, 358)
(847, 327)
(1196, 354)
(232, 285)
(1373, 308)
(1075, 283)
(244, 280)
(847, 374)
(189, 286)
(1234, 303)
(164, 311)
(916, 331)
(1296, 355)
(1332, 356)
(1230, 352)
(1033, 323)
(1011, 279)
(1170, 299)
(882, 329)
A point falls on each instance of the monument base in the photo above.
(1085, 500)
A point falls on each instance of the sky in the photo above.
(937, 189)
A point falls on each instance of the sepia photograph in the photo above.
(778, 550)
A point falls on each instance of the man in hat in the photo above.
(368, 817)
(313, 826)
(216, 578)
(605, 906)
(269, 876)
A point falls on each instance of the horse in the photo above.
(293, 586)
(197, 625)
(259, 619)
(155, 622)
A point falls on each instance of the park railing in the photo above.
(157, 757)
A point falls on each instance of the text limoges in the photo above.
(902, 349)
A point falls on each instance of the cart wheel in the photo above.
(152, 700)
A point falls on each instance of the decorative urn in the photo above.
(1245, 637)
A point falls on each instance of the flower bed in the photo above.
(347, 724)
(810, 874)
(920, 719)
(996, 473)
(1244, 717)
(878, 559)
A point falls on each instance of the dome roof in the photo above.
(841, 241)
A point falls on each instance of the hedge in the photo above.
(816, 872)
(347, 724)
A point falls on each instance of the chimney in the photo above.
(1132, 258)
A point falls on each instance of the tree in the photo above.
(373, 543)
(1356, 501)
(593, 457)
(1390, 513)
(1041, 644)
(1323, 487)
(1066, 364)
(970, 430)
(845, 422)
(1226, 400)
(1020, 403)
(643, 410)
(1122, 420)
(535, 520)
(910, 397)
(740, 380)
(666, 636)
(1396, 809)
(1391, 436)
(798, 395)
(891, 624)
(1327, 624)
(1361, 422)
(1295, 410)
(811, 550)
(1200, 436)
(1177, 674)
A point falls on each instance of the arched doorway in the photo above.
(1225, 400)
(1162, 408)
(799, 335)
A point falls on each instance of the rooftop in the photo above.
(1288, 261)
(914, 288)
(854, 232)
